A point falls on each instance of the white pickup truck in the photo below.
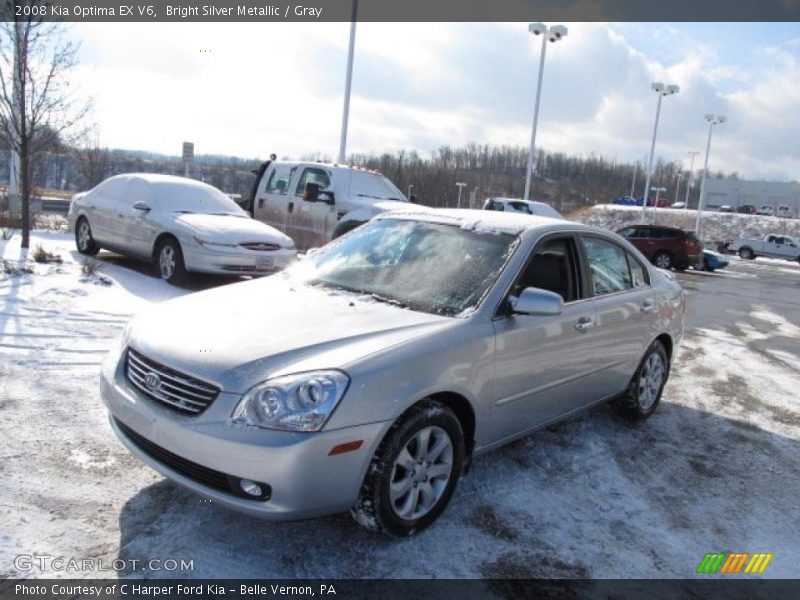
(315, 202)
(772, 246)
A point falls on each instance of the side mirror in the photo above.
(535, 301)
(311, 193)
(326, 197)
(141, 205)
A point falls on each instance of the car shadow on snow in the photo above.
(595, 496)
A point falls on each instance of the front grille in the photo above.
(166, 386)
(262, 246)
(210, 477)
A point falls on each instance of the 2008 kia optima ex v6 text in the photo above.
(367, 376)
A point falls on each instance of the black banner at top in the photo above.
(402, 10)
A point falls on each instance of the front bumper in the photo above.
(304, 480)
(236, 261)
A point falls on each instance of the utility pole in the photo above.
(347, 84)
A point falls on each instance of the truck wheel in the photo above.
(345, 227)
(169, 261)
(747, 253)
(663, 260)
(414, 472)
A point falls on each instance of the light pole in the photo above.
(677, 187)
(460, 185)
(692, 154)
(347, 83)
(712, 120)
(633, 181)
(552, 33)
(662, 90)
(410, 187)
(657, 190)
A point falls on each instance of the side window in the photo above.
(771, 238)
(639, 277)
(279, 179)
(552, 267)
(313, 175)
(628, 232)
(520, 207)
(608, 266)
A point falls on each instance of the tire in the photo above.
(641, 398)
(83, 238)
(345, 227)
(402, 511)
(747, 253)
(663, 260)
(169, 261)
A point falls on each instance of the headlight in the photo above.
(300, 402)
(203, 242)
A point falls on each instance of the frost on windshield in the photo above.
(425, 266)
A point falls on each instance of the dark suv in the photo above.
(666, 247)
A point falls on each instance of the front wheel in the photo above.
(746, 253)
(644, 391)
(414, 472)
(169, 261)
(83, 238)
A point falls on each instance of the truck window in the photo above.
(313, 175)
(373, 185)
(278, 182)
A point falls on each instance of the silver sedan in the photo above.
(369, 375)
(179, 224)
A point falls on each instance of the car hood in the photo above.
(228, 229)
(241, 334)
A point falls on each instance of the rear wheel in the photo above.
(414, 472)
(169, 261)
(83, 238)
(747, 253)
(663, 260)
(644, 391)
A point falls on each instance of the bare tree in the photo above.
(94, 161)
(36, 103)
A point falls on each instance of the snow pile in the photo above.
(715, 225)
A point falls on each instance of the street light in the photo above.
(662, 90)
(552, 33)
(692, 154)
(712, 120)
(347, 83)
(460, 185)
(657, 190)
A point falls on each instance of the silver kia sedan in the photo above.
(369, 375)
(177, 223)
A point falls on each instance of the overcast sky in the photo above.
(254, 88)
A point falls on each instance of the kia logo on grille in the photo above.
(152, 381)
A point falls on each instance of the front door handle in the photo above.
(584, 323)
(648, 306)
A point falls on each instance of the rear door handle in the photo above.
(584, 323)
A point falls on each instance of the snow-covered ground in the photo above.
(715, 225)
(716, 469)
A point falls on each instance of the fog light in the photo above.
(250, 488)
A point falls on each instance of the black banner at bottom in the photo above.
(397, 589)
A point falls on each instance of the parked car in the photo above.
(178, 224)
(528, 207)
(666, 247)
(627, 201)
(661, 202)
(784, 211)
(772, 246)
(678, 205)
(315, 202)
(725, 209)
(388, 359)
(765, 210)
(747, 209)
(713, 261)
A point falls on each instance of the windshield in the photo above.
(194, 198)
(430, 267)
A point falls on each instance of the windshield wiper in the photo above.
(384, 299)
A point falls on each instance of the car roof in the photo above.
(485, 220)
(328, 165)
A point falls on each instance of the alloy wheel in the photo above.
(650, 381)
(420, 473)
(84, 236)
(166, 262)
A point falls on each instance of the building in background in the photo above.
(765, 196)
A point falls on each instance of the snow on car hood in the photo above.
(240, 334)
(227, 229)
